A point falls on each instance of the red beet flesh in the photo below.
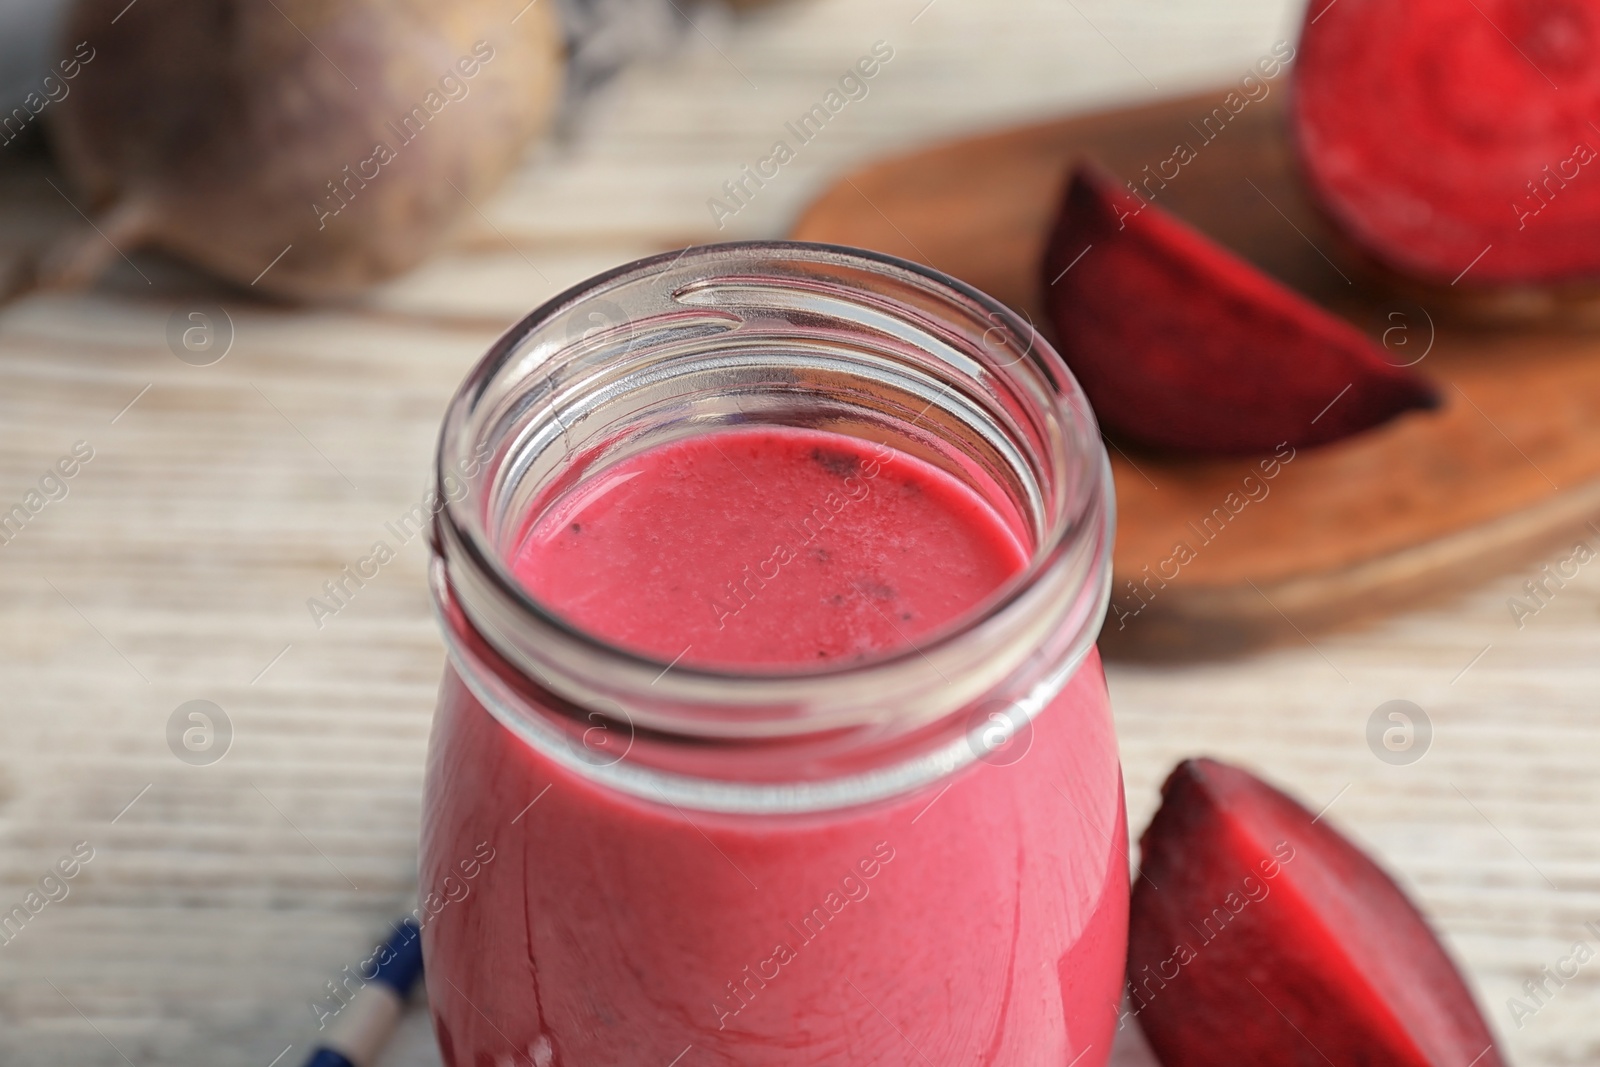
(1180, 344)
(1435, 134)
(1272, 940)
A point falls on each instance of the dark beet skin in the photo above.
(334, 143)
(1273, 941)
(1179, 344)
(1434, 134)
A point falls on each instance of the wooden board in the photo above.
(1510, 465)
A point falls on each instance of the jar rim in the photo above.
(507, 348)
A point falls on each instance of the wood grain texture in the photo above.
(178, 566)
(1505, 470)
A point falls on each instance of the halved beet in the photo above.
(1180, 344)
(1261, 936)
(1443, 135)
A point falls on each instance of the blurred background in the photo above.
(226, 889)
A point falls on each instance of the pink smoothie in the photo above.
(979, 921)
(770, 547)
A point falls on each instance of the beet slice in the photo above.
(1436, 134)
(1180, 344)
(1260, 935)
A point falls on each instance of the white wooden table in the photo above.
(221, 898)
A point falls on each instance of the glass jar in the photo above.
(916, 859)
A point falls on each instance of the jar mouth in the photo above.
(768, 333)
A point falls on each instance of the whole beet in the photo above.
(343, 135)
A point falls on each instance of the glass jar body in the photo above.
(914, 857)
(978, 920)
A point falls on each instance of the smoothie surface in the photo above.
(772, 547)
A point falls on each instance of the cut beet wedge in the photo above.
(1181, 345)
(1261, 936)
(1455, 145)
